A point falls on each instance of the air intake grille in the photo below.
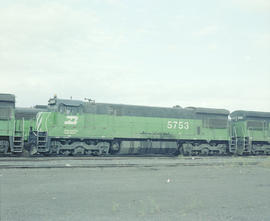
(255, 125)
(217, 123)
(5, 113)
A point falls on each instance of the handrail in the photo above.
(23, 131)
(236, 143)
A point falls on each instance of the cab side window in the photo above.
(70, 110)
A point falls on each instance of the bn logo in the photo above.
(71, 120)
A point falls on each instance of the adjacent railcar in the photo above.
(250, 132)
(7, 124)
(15, 125)
(76, 127)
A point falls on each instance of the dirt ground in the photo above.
(124, 188)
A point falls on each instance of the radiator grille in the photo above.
(215, 123)
(255, 125)
(5, 113)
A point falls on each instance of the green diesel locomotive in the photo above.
(250, 132)
(73, 127)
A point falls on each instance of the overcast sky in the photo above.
(208, 53)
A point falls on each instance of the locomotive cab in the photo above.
(65, 106)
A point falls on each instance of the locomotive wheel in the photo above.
(79, 151)
(65, 152)
(186, 153)
(204, 151)
(96, 153)
(115, 148)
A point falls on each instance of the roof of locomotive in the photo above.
(27, 113)
(203, 110)
(149, 111)
(250, 114)
(7, 98)
(138, 110)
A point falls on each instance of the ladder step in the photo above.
(42, 141)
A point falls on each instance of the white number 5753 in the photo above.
(178, 125)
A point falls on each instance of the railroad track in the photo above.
(120, 162)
